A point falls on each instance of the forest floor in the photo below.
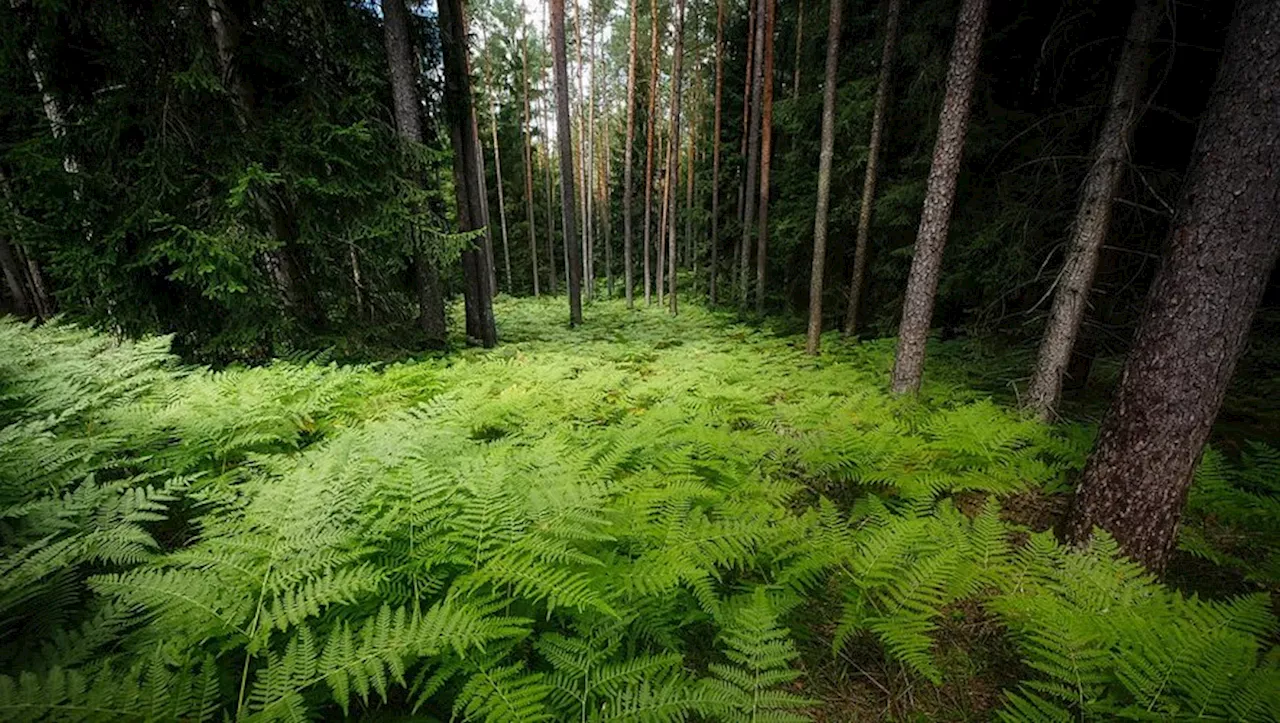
(674, 474)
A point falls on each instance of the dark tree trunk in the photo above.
(766, 155)
(1222, 247)
(873, 165)
(650, 127)
(818, 270)
(551, 216)
(14, 279)
(564, 133)
(627, 154)
(795, 76)
(713, 272)
(528, 164)
(673, 170)
(753, 151)
(1093, 217)
(467, 171)
(748, 75)
(922, 283)
(402, 61)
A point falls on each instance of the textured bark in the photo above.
(40, 301)
(1222, 248)
(753, 151)
(795, 77)
(817, 271)
(673, 171)
(648, 158)
(402, 63)
(226, 36)
(1093, 216)
(873, 165)
(528, 163)
(766, 155)
(922, 283)
(566, 160)
(628, 190)
(14, 279)
(713, 272)
(467, 171)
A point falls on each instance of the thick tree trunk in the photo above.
(30, 277)
(766, 156)
(713, 272)
(564, 134)
(673, 173)
(14, 279)
(1222, 248)
(873, 165)
(818, 269)
(648, 160)
(528, 163)
(467, 170)
(795, 77)
(1093, 217)
(753, 151)
(402, 62)
(922, 283)
(628, 190)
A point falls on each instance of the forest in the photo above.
(634, 361)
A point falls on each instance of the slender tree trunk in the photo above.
(1093, 216)
(564, 134)
(648, 162)
(606, 217)
(467, 171)
(873, 165)
(922, 283)
(714, 270)
(818, 270)
(795, 77)
(490, 265)
(583, 182)
(502, 203)
(748, 75)
(753, 151)
(546, 135)
(40, 301)
(766, 157)
(590, 155)
(673, 175)
(628, 189)
(691, 157)
(14, 279)
(402, 62)
(1222, 248)
(665, 176)
(528, 162)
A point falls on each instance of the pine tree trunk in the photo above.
(606, 217)
(795, 77)
(873, 165)
(1093, 217)
(753, 150)
(648, 162)
(766, 156)
(665, 144)
(713, 271)
(748, 75)
(528, 162)
(922, 283)
(690, 166)
(628, 190)
(564, 134)
(467, 170)
(820, 215)
(402, 62)
(14, 279)
(502, 203)
(673, 172)
(546, 135)
(1222, 248)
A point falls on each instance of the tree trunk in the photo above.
(665, 174)
(766, 156)
(402, 62)
(1222, 247)
(551, 216)
(922, 283)
(1093, 217)
(627, 153)
(691, 157)
(14, 279)
(564, 134)
(30, 277)
(714, 268)
(528, 162)
(748, 75)
(502, 203)
(648, 162)
(816, 273)
(795, 77)
(606, 218)
(467, 171)
(753, 150)
(873, 165)
(673, 171)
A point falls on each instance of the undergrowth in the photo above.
(623, 522)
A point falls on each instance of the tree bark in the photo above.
(14, 279)
(665, 150)
(753, 151)
(502, 203)
(1093, 217)
(546, 135)
(606, 217)
(528, 161)
(713, 272)
(748, 75)
(467, 170)
(1222, 248)
(402, 62)
(648, 161)
(766, 156)
(922, 283)
(30, 277)
(873, 165)
(627, 153)
(795, 77)
(565, 137)
(817, 271)
(673, 171)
